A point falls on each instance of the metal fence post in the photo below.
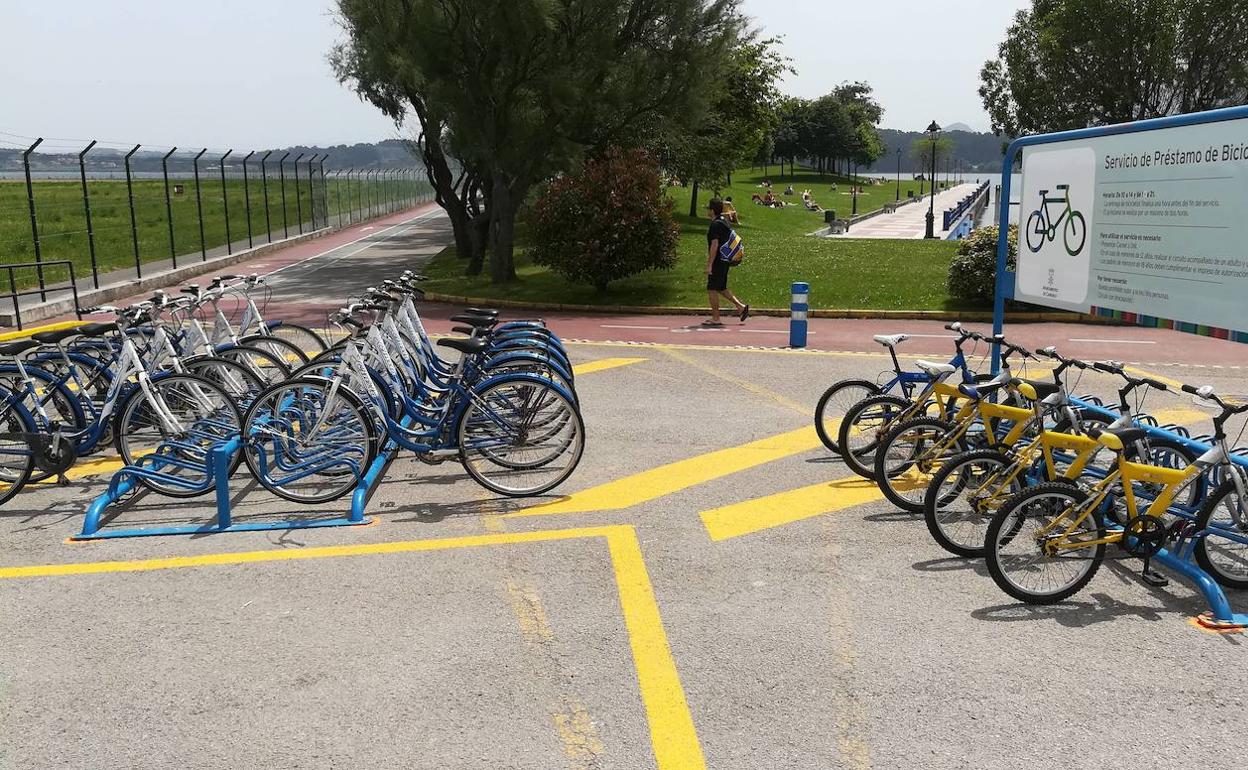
(199, 206)
(247, 198)
(86, 207)
(264, 183)
(225, 202)
(34, 218)
(368, 190)
(324, 191)
(164, 173)
(311, 192)
(281, 173)
(134, 224)
(298, 198)
(354, 199)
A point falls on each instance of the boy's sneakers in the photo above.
(745, 313)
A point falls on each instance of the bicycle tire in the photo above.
(894, 480)
(859, 455)
(15, 419)
(1032, 230)
(124, 424)
(305, 337)
(935, 503)
(287, 352)
(1007, 525)
(839, 391)
(1070, 227)
(1210, 561)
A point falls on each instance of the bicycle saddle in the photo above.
(470, 346)
(96, 329)
(980, 391)
(889, 340)
(1043, 389)
(934, 369)
(17, 348)
(481, 311)
(475, 320)
(1117, 438)
(53, 337)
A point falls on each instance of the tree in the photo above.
(742, 114)
(507, 94)
(792, 130)
(609, 220)
(1067, 65)
(921, 152)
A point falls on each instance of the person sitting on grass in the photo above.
(730, 211)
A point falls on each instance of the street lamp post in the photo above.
(898, 173)
(853, 189)
(933, 131)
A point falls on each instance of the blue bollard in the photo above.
(798, 308)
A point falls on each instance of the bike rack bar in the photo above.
(217, 469)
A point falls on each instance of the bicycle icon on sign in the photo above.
(1041, 225)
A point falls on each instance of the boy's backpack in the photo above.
(733, 251)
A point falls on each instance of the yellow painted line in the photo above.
(1181, 415)
(672, 733)
(93, 467)
(1143, 373)
(25, 333)
(603, 364)
(668, 479)
(787, 507)
(751, 387)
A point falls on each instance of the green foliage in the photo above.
(609, 220)
(921, 152)
(838, 125)
(1067, 65)
(973, 272)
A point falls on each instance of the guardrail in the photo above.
(15, 295)
(953, 214)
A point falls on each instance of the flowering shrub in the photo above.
(607, 221)
(972, 273)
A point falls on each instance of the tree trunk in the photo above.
(693, 200)
(478, 236)
(503, 207)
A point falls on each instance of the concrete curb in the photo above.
(928, 315)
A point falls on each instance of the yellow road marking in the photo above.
(672, 733)
(668, 479)
(1143, 373)
(25, 333)
(746, 385)
(604, 364)
(1181, 416)
(93, 467)
(787, 507)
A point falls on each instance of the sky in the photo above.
(253, 73)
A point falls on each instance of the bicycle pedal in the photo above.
(1155, 579)
(62, 480)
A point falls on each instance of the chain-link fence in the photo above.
(116, 211)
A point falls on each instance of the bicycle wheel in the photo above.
(963, 497)
(909, 456)
(1223, 553)
(171, 427)
(61, 405)
(862, 428)
(1015, 544)
(835, 403)
(268, 367)
(304, 338)
(240, 382)
(17, 461)
(1036, 231)
(309, 440)
(290, 354)
(501, 448)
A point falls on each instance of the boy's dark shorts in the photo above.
(718, 279)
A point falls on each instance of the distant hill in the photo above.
(959, 127)
(976, 150)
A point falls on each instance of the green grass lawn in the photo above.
(843, 273)
(63, 228)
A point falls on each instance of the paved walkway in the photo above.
(909, 221)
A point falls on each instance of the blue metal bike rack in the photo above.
(217, 470)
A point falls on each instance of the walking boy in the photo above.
(717, 265)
